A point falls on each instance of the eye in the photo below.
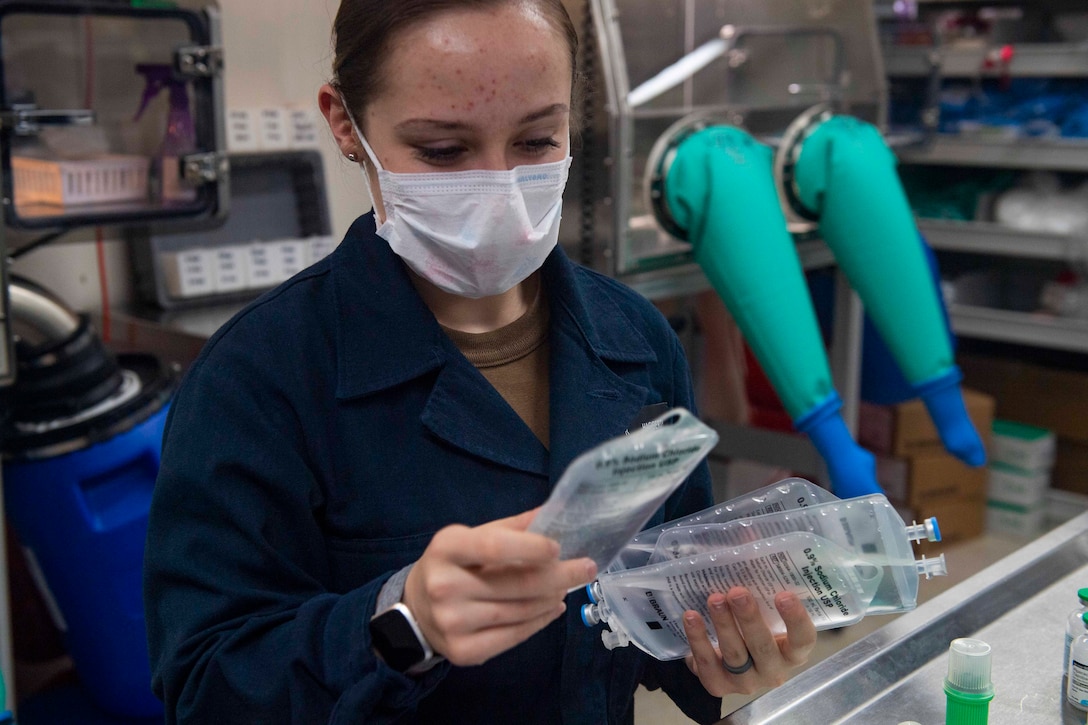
(440, 155)
(539, 146)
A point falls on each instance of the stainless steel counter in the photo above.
(896, 674)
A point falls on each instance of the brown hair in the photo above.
(364, 29)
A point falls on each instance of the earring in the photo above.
(352, 157)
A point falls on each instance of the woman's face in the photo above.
(473, 89)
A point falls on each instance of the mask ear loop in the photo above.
(362, 139)
(373, 157)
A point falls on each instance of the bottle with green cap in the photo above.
(1076, 687)
(1074, 627)
(968, 688)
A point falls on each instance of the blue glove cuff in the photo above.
(852, 468)
(944, 401)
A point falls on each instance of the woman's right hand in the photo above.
(477, 592)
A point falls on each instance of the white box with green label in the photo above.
(1022, 446)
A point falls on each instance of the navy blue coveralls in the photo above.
(316, 445)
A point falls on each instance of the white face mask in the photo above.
(472, 233)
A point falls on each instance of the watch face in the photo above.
(396, 641)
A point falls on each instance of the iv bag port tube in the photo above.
(846, 175)
(720, 190)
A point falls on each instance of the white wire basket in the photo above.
(103, 179)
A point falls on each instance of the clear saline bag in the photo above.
(843, 559)
(787, 494)
(866, 524)
(610, 492)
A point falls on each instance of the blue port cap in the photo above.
(936, 528)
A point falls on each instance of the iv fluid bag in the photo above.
(788, 494)
(842, 558)
(608, 493)
(867, 524)
(836, 586)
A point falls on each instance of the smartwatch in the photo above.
(397, 639)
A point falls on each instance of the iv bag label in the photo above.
(616, 487)
(608, 493)
(825, 596)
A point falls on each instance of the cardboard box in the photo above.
(1070, 471)
(1045, 397)
(1016, 486)
(940, 477)
(905, 429)
(1026, 447)
(1025, 522)
(936, 485)
(893, 475)
(958, 519)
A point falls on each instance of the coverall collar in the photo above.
(380, 310)
(387, 337)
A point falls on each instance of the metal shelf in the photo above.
(1020, 153)
(689, 278)
(788, 450)
(1031, 60)
(1022, 328)
(989, 238)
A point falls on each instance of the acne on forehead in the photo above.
(480, 83)
(485, 31)
(493, 64)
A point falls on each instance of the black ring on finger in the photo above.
(738, 670)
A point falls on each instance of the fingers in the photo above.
(706, 661)
(482, 645)
(757, 635)
(511, 561)
(742, 633)
(731, 643)
(520, 522)
(475, 616)
(498, 543)
(800, 637)
(510, 582)
(477, 592)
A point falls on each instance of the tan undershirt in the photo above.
(514, 359)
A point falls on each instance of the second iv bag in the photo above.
(843, 559)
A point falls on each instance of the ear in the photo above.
(332, 108)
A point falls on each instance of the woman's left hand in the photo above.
(748, 657)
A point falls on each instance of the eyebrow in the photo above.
(434, 124)
(552, 110)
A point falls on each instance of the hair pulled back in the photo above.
(364, 30)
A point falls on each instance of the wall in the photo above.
(277, 54)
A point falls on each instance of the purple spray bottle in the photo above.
(167, 184)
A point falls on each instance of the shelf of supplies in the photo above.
(786, 450)
(1012, 153)
(989, 238)
(1022, 328)
(1030, 60)
(689, 278)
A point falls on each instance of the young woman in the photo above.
(338, 532)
